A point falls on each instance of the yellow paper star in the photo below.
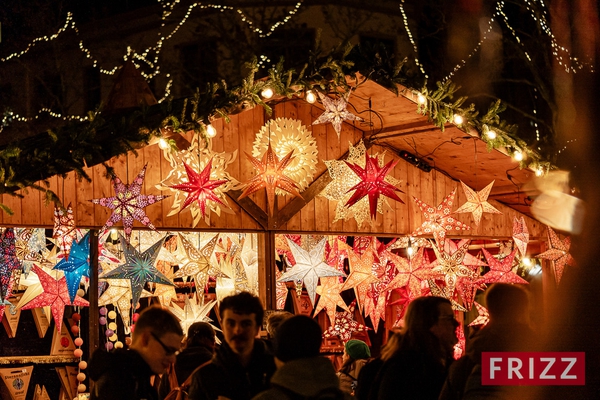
(477, 202)
(329, 297)
(361, 275)
(198, 262)
(451, 265)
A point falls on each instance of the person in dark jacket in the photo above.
(125, 374)
(199, 347)
(301, 371)
(356, 355)
(242, 366)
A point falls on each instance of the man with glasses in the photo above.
(125, 374)
(242, 367)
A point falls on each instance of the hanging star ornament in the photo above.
(361, 275)
(410, 272)
(309, 267)
(8, 261)
(200, 188)
(335, 112)
(438, 220)
(138, 268)
(501, 271)
(64, 229)
(345, 325)
(77, 265)
(128, 203)
(558, 253)
(329, 297)
(451, 265)
(192, 312)
(477, 202)
(520, 235)
(55, 295)
(372, 183)
(197, 262)
(270, 176)
(483, 316)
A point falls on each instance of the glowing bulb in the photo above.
(267, 93)
(491, 134)
(518, 156)
(539, 172)
(410, 251)
(310, 96)
(421, 99)
(162, 143)
(527, 261)
(458, 119)
(211, 131)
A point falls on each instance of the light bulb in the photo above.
(518, 156)
(163, 144)
(458, 119)
(267, 93)
(539, 172)
(310, 96)
(527, 261)
(421, 99)
(491, 134)
(410, 251)
(211, 131)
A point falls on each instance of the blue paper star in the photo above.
(76, 265)
(139, 269)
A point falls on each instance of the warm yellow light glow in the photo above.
(491, 134)
(539, 172)
(267, 93)
(458, 119)
(518, 156)
(410, 251)
(162, 143)
(211, 131)
(527, 261)
(310, 96)
(421, 99)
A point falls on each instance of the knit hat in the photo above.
(357, 349)
(298, 337)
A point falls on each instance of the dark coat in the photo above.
(226, 376)
(187, 361)
(120, 375)
(366, 377)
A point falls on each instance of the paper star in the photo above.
(193, 312)
(501, 271)
(198, 262)
(438, 220)
(8, 260)
(139, 269)
(483, 316)
(345, 325)
(372, 183)
(165, 293)
(55, 295)
(77, 265)
(377, 296)
(29, 242)
(520, 235)
(410, 272)
(281, 291)
(128, 203)
(558, 253)
(200, 188)
(444, 292)
(4, 302)
(335, 112)
(329, 297)
(64, 229)
(336, 252)
(477, 202)
(270, 176)
(361, 275)
(309, 267)
(451, 266)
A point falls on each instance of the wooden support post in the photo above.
(266, 270)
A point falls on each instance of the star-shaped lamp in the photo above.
(329, 297)
(128, 203)
(558, 253)
(483, 316)
(345, 325)
(8, 261)
(438, 219)
(372, 183)
(361, 275)
(451, 266)
(77, 265)
(270, 176)
(200, 188)
(335, 112)
(501, 271)
(64, 229)
(477, 202)
(520, 235)
(197, 262)
(309, 267)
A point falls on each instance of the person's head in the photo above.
(157, 338)
(241, 318)
(274, 320)
(200, 334)
(298, 337)
(356, 350)
(507, 303)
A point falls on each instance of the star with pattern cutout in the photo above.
(128, 203)
(270, 176)
(501, 271)
(329, 297)
(520, 235)
(335, 112)
(438, 219)
(436, 290)
(477, 202)
(361, 275)
(193, 312)
(345, 325)
(372, 183)
(558, 253)
(200, 188)
(64, 229)
(410, 273)
(4, 302)
(8, 261)
(77, 265)
(451, 265)
(198, 263)
(483, 316)
(309, 267)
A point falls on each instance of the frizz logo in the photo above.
(529, 368)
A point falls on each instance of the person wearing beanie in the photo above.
(301, 371)
(356, 355)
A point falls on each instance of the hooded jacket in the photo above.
(120, 375)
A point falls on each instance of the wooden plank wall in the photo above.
(316, 216)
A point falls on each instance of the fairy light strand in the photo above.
(412, 40)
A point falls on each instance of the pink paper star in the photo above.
(64, 230)
(345, 325)
(128, 204)
(335, 112)
(477, 202)
(501, 271)
(8, 261)
(483, 316)
(520, 235)
(200, 187)
(410, 272)
(558, 253)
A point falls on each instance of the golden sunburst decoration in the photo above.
(285, 135)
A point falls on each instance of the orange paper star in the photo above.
(558, 253)
(329, 297)
(477, 202)
(361, 275)
(451, 265)
(520, 235)
(410, 272)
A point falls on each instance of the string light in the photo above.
(267, 93)
(310, 96)
(211, 131)
(518, 155)
(163, 144)
(260, 32)
(421, 99)
(539, 171)
(491, 134)
(412, 40)
(458, 119)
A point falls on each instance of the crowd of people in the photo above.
(416, 362)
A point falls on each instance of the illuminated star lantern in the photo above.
(483, 316)
(4, 302)
(451, 266)
(477, 202)
(138, 268)
(281, 291)
(55, 295)
(345, 325)
(411, 272)
(520, 235)
(64, 229)
(197, 263)
(77, 265)
(329, 297)
(444, 292)
(270, 176)
(361, 275)
(438, 219)
(8, 261)
(558, 253)
(128, 203)
(501, 271)
(30, 243)
(372, 183)
(193, 312)
(309, 267)
(335, 112)
(200, 188)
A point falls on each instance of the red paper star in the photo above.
(345, 325)
(483, 316)
(501, 271)
(200, 187)
(438, 220)
(128, 204)
(8, 261)
(64, 230)
(410, 272)
(558, 253)
(372, 183)
(55, 295)
(270, 176)
(520, 235)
